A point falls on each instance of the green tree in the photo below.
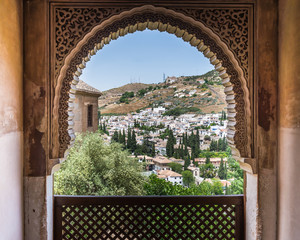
(129, 143)
(153, 150)
(133, 141)
(104, 128)
(170, 144)
(236, 187)
(222, 170)
(207, 160)
(217, 187)
(187, 178)
(115, 137)
(123, 139)
(95, 168)
(156, 186)
(176, 167)
(120, 137)
(207, 138)
(207, 171)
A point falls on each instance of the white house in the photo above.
(170, 176)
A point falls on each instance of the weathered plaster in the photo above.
(11, 120)
(49, 196)
(11, 185)
(35, 88)
(289, 119)
(251, 206)
(35, 208)
(266, 121)
(289, 52)
(289, 194)
(36, 127)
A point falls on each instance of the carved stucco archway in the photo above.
(229, 56)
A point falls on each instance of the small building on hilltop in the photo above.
(86, 108)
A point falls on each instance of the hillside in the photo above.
(203, 92)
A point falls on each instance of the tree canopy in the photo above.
(187, 178)
(156, 186)
(96, 168)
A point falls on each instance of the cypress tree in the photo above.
(221, 172)
(124, 138)
(181, 152)
(120, 137)
(153, 150)
(129, 142)
(186, 152)
(104, 128)
(207, 160)
(115, 137)
(186, 162)
(170, 144)
(197, 146)
(133, 141)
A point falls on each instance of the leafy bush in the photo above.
(156, 186)
(95, 168)
(125, 96)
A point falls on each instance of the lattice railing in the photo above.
(149, 217)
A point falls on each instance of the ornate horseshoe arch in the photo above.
(221, 34)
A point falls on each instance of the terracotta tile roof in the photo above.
(84, 87)
(161, 160)
(169, 173)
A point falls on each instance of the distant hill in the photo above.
(204, 92)
(130, 87)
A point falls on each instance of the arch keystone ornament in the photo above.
(81, 32)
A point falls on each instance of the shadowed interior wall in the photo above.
(11, 120)
(289, 129)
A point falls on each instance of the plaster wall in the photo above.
(251, 206)
(11, 120)
(289, 128)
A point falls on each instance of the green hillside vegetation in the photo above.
(188, 93)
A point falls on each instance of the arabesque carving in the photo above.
(230, 24)
(71, 24)
(236, 92)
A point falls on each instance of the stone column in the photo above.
(266, 125)
(289, 117)
(36, 125)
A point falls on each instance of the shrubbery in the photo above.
(96, 168)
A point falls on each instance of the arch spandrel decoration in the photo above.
(230, 24)
(79, 50)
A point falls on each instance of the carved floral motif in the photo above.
(231, 25)
(71, 24)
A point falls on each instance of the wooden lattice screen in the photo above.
(149, 217)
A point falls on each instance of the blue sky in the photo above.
(143, 57)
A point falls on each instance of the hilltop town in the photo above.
(151, 125)
(187, 111)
